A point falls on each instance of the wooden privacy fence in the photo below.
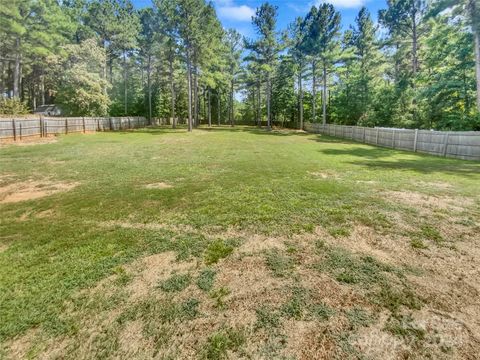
(454, 144)
(18, 129)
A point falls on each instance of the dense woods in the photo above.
(417, 67)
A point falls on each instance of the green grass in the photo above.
(248, 180)
(176, 282)
(206, 279)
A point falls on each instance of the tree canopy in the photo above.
(418, 67)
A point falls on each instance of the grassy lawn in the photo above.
(236, 243)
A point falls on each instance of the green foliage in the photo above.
(13, 107)
(219, 295)
(221, 342)
(82, 89)
(216, 250)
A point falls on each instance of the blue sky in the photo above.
(237, 13)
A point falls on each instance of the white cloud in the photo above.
(226, 9)
(345, 4)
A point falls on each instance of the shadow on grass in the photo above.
(425, 164)
(365, 152)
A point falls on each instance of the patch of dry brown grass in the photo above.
(32, 189)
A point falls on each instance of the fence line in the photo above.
(455, 144)
(18, 128)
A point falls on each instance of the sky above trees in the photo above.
(238, 14)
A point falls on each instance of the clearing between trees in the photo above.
(236, 243)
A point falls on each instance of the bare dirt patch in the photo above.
(32, 189)
(158, 186)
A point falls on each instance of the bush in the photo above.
(13, 107)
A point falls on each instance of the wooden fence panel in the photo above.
(19, 128)
(460, 145)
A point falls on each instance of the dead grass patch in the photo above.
(149, 271)
(158, 186)
(424, 202)
(31, 190)
(324, 174)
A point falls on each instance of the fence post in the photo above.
(393, 139)
(110, 122)
(129, 124)
(41, 125)
(14, 130)
(20, 131)
(83, 123)
(415, 141)
(98, 124)
(66, 126)
(376, 137)
(445, 146)
(364, 138)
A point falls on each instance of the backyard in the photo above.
(236, 243)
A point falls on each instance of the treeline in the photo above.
(419, 66)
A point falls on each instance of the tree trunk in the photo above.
(195, 95)
(104, 69)
(2, 78)
(209, 109)
(125, 78)
(149, 84)
(172, 94)
(324, 99)
(16, 71)
(232, 120)
(300, 98)
(477, 64)
(314, 92)
(42, 89)
(269, 125)
(189, 76)
(259, 105)
(219, 111)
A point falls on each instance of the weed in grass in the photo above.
(351, 269)
(189, 309)
(291, 248)
(123, 278)
(403, 326)
(188, 245)
(430, 233)
(394, 298)
(280, 264)
(417, 243)
(359, 317)
(221, 342)
(216, 250)
(321, 312)
(176, 282)
(339, 232)
(366, 272)
(267, 318)
(294, 307)
(206, 279)
(219, 296)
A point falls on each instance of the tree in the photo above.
(80, 91)
(324, 30)
(233, 41)
(267, 46)
(298, 54)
